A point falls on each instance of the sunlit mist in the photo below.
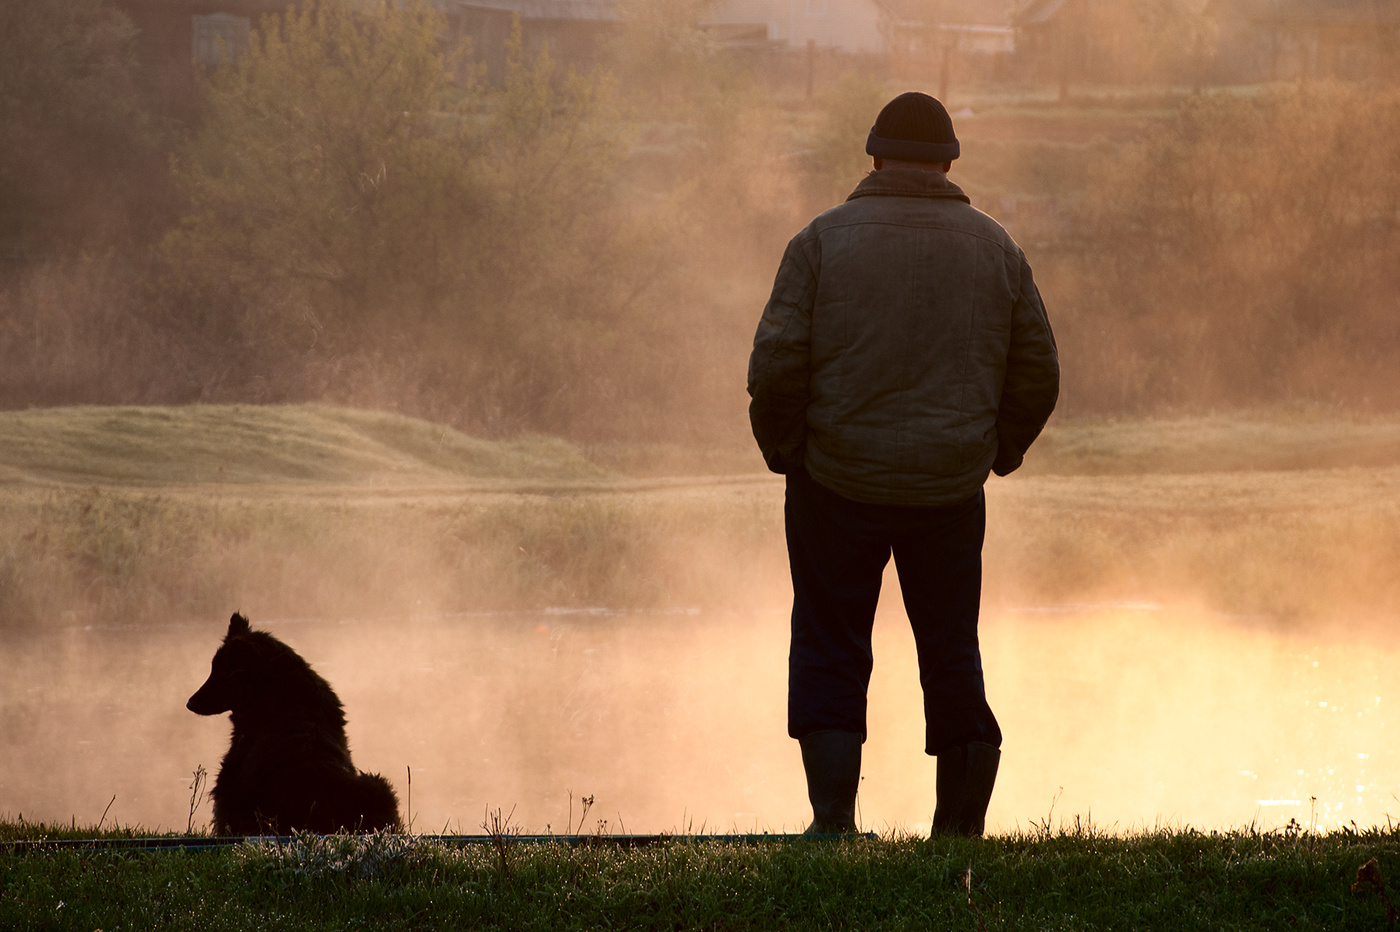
(1128, 716)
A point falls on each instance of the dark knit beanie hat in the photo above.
(913, 127)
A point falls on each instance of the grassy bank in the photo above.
(1068, 879)
(232, 445)
(140, 514)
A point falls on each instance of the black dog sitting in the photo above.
(288, 767)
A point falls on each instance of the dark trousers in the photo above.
(838, 549)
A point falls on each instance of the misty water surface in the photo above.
(1132, 716)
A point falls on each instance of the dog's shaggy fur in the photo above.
(288, 767)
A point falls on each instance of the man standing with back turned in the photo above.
(903, 355)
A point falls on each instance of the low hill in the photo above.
(264, 443)
(1261, 441)
(327, 445)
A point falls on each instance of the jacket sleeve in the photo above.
(1032, 383)
(780, 365)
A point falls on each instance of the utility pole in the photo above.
(811, 67)
(948, 46)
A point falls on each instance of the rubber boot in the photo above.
(832, 762)
(966, 775)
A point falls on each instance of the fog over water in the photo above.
(1130, 715)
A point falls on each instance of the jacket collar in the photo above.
(898, 182)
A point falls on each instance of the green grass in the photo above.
(1073, 878)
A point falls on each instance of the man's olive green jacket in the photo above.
(905, 351)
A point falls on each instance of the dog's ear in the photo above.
(238, 624)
